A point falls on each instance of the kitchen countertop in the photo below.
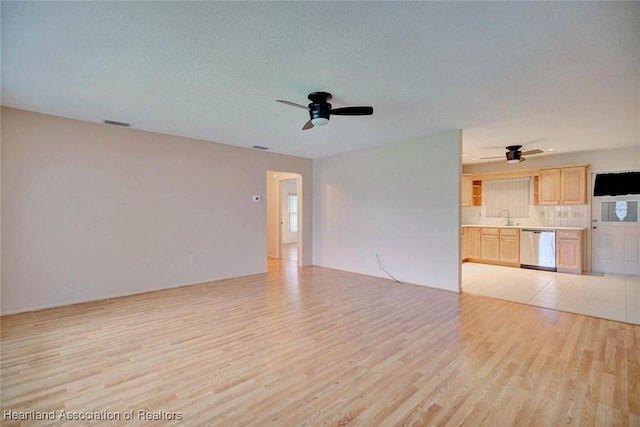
(526, 227)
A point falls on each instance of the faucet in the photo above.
(509, 221)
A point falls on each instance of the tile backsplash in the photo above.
(551, 216)
(564, 215)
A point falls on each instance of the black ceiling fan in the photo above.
(514, 155)
(320, 110)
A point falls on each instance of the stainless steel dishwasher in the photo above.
(538, 249)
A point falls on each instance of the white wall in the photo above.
(93, 211)
(399, 200)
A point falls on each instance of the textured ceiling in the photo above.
(563, 75)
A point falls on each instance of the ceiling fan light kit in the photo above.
(320, 110)
(319, 121)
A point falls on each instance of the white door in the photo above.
(615, 234)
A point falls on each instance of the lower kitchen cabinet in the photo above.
(463, 245)
(569, 251)
(490, 246)
(510, 246)
(472, 236)
(501, 246)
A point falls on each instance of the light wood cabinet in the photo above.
(490, 244)
(510, 246)
(562, 186)
(476, 192)
(472, 239)
(549, 187)
(569, 251)
(573, 186)
(463, 245)
(467, 190)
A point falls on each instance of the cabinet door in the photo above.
(574, 184)
(490, 247)
(568, 256)
(510, 249)
(473, 242)
(569, 251)
(463, 243)
(549, 187)
(467, 190)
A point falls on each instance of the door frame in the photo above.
(274, 212)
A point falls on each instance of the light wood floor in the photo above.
(290, 251)
(314, 346)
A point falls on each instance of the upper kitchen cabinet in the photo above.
(466, 190)
(549, 187)
(562, 186)
(471, 191)
(573, 182)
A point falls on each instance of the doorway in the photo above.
(615, 233)
(284, 216)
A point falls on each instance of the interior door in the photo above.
(615, 234)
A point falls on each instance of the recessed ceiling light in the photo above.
(464, 155)
(550, 149)
(473, 159)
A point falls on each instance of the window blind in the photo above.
(293, 212)
(510, 194)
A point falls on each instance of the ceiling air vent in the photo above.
(114, 123)
(260, 147)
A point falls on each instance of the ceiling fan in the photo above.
(514, 155)
(320, 110)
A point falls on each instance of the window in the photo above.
(619, 211)
(293, 212)
(510, 194)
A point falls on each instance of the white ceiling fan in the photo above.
(514, 155)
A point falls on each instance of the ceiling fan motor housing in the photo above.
(319, 110)
(513, 155)
(319, 107)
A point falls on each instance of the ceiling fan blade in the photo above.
(353, 111)
(307, 125)
(293, 104)
(494, 157)
(531, 152)
(522, 159)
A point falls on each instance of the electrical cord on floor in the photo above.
(382, 268)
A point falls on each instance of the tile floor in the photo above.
(606, 296)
